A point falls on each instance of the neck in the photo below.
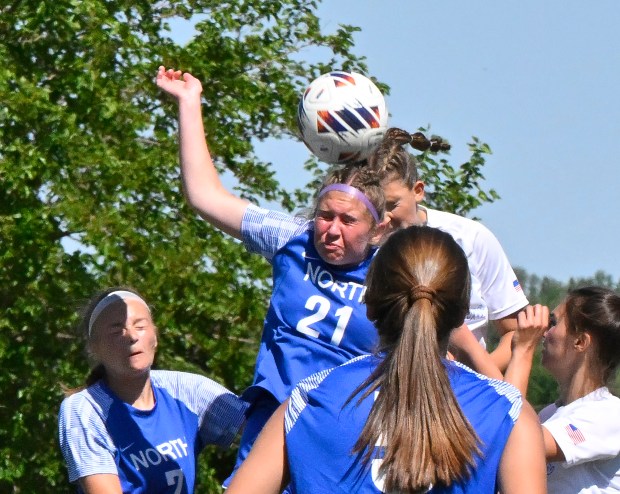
(578, 385)
(135, 391)
(421, 216)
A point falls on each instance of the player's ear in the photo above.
(418, 191)
(381, 230)
(583, 341)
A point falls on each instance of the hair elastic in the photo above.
(354, 192)
(110, 298)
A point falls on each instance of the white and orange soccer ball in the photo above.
(342, 117)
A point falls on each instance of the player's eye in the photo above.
(553, 321)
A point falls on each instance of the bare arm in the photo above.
(533, 321)
(202, 185)
(505, 327)
(265, 470)
(522, 468)
(466, 349)
(553, 452)
(101, 483)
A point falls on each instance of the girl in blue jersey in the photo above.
(316, 317)
(404, 419)
(133, 429)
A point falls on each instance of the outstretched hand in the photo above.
(532, 321)
(178, 84)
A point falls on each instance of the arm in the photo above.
(533, 321)
(265, 470)
(102, 483)
(522, 469)
(505, 328)
(553, 452)
(202, 185)
(465, 348)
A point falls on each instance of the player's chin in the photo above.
(331, 255)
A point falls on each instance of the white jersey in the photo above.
(588, 433)
(495, 290)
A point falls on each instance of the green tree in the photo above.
(90, 194)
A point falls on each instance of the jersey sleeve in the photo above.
(84, 441)
(500, 288)
(220, 412)
(590, 433)
(265, 231)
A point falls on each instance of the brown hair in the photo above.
(97, 371)
(417, 292)
(364, 179)
(596, 310)
(392, 161)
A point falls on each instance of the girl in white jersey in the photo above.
(581, 349)
(404, 419)
(131, 428)
(496, 294)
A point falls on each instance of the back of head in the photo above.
(597, 311)
(393, 162)
(417, 292)
(415, 264)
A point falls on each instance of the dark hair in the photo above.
(596, 310)
(364, 179)
(97, 371)
(417, 293)
(392, 161)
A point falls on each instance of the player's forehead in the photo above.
(340, 203)
(125, 310)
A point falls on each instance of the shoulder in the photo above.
(464, 230)
(343, 378)
(87, 406)
(199, 394)
(468, 384)
(265, 231)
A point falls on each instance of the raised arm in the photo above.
(532, 321)
(466, 349)
(505, 328)
(202, 186)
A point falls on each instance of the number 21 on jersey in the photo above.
(320, 307)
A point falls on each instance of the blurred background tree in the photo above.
(90, 194)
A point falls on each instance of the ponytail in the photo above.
(418, 291)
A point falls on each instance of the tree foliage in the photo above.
(90, 194)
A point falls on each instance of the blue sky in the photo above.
(538, 81)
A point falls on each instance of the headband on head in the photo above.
(110, 298)
(354, 192)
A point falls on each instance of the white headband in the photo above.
(110, 298)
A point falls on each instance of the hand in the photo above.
(178, 84)
(532, 321)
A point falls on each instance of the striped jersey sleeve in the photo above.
(502, 388)
(220, 412)
(265, 231)
(82, 434)
(299, 397)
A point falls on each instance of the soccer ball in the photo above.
(342, 117)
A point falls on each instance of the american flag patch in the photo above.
(575, 434)
(516, 285)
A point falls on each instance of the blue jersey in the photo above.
(316, 317)
(321, 430)
(154, 450)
